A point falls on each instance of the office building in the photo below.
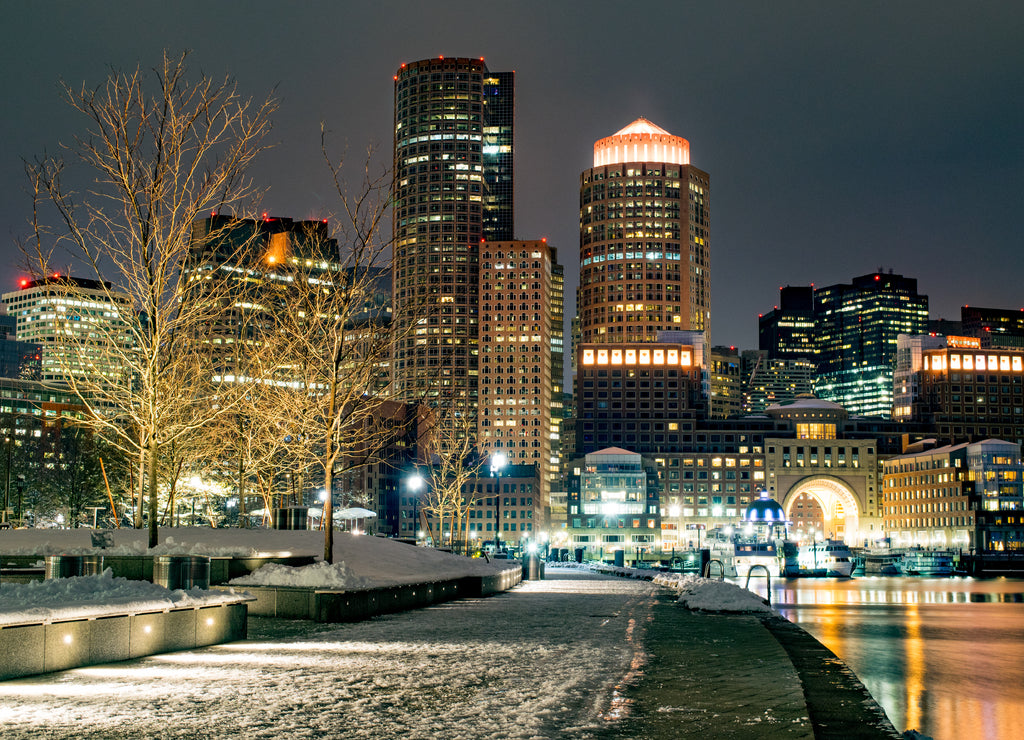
(454, 176)
(995, 327)
(966, 393)
(644, 238)
(768, 381)
(857, 325)
(80, 325)
(725, 381)
(787, 331)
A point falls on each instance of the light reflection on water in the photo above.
(942, 656)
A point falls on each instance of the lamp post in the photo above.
(416, 484)
(21, 495)
(7, 486)
(498, 462)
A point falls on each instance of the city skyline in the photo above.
(840, 140)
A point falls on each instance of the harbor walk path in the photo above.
(576, 655)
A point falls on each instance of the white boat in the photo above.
(917, 562)
(883, 563)
(739, 555)
(831, 556)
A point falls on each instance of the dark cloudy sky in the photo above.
(840, 136)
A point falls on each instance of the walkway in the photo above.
(575, 655)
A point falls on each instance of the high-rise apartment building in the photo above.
(81, 325)
(453, 166)
(767, 381)
(644, 239)
(857, 325)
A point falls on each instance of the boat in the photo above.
(831, 556)
(738, 555)
(918, 562)
(883, 563)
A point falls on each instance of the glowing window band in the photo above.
(638, 357)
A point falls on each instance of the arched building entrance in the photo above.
(840, 511)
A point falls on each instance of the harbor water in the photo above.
(943, 656)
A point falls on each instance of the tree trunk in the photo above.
(153, 536)
(140, 500)
(328, 517)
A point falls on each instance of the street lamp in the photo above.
(498, 462)
(416, 484)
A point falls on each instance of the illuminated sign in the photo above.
(964, 342)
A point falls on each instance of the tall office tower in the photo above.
(18, 359)
(787, 331)
(995, 327)
(857, 326)
(558, 405)
(516, 333)
(453, 166)
(644, 242)
(81, 325)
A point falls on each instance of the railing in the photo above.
(707, 568)
(767, 576)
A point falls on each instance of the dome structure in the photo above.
(765, 511)
(806, 407)
(641, 141)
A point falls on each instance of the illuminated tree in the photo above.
(159, 152)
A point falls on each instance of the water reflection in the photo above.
(943, 656)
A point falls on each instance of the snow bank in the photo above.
(378, 560)
(710, 595)
(96, 596)
(317, 575)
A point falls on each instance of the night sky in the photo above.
(840, 137)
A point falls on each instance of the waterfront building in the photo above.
(966, 496)
(505, 500)
(260, 259)
(518, 322)
(81, 326)
(906, 371)
(644, 238)
(453, 168)
(857, 325)
(967, 393)
(788, 331)
(824, 476)
(614, 506)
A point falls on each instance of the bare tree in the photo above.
(455, 464)
(326, 377)
(157, 159)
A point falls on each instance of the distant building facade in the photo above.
(80, 325)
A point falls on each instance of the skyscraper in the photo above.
(453, 165)
(857, 326)
(644, 241)
(787, 331)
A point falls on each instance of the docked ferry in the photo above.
(831, 556)
(917, 562)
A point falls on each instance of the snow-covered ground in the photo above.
(90, 597)
(540, 661)
(368, 560)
